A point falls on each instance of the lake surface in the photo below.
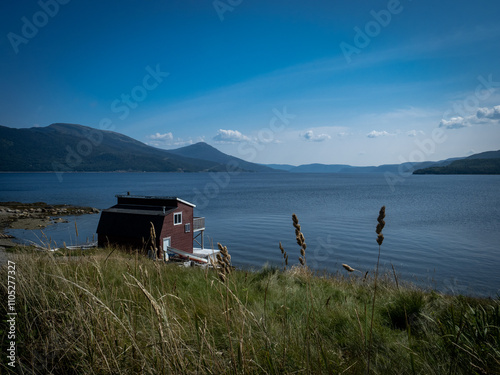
(441, 232)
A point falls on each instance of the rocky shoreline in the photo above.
(37, 215)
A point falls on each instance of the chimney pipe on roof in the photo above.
(163, 210)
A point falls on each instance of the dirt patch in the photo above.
(30, 223)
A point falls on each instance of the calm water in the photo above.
(441, 231)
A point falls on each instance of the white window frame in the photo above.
(177, 214)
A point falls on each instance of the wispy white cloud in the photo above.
(170, 145)
(311, 137)
(212, 108)
(489, 113)
(455, 123)
(414, 133)
(230, 136)
(403, 114)
(453, 39)
(249, 104)
(162, 137)
(399, 122)
(482, 116)
(168, 141)
(376, 134)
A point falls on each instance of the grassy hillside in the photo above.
(115, 312)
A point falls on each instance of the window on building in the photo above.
(178, 218)
(187, 227)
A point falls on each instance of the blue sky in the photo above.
(338, 82)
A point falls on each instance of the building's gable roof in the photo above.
(153, 200)
(141, 210)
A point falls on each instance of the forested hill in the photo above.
(483, 163)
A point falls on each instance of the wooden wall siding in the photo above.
(179, 239)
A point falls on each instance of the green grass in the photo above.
(125, 314)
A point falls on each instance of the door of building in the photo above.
(166, 245)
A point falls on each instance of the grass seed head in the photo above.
(348, 268)
(223, 262)
(285, 255)
(301, 241)
(380, 225)
(380, 239)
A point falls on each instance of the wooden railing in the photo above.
(198, 223)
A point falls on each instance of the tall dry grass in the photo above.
(113, 312)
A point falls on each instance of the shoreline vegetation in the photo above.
(38, 215)
(114, 311)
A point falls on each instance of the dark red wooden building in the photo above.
(128, 223)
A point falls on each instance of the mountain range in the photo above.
(344, 168)
(70, 147)
(64, 147)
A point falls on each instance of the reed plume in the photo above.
(348, 268)
(301, 241)
(380, 226)
(285, 256)
(223, 262)
(152, 233)
(380, 239)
